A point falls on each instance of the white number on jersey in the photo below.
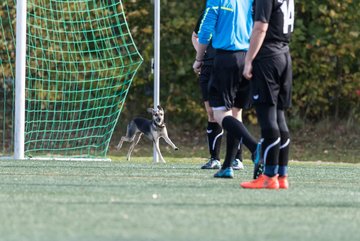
(288, 12)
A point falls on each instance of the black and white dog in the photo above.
(153, 129)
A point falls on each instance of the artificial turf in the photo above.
(119, 200)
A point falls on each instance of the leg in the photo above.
(237, 113)
(156, 141)
(284, 150)
(214, 136)
(131, 131)
(232, 143)
(237, 163)
(220, 114)
(125, 138)
(284, 144)
(284, 102)
(167, 139)
(267, 117)
(118, 147)
(214, 133)
(271, 91)
(214, 130)
(224, 97)
(238, 129)
(134, 143)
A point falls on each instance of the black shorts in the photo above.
(272, 81)
(204, 79)
(228, 88)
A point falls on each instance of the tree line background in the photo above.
(325, 48)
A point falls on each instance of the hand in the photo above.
(197, 66)
(247, 72)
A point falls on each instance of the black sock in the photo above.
(232, 144)
(237, 129)
(214, 133)
(284, 152)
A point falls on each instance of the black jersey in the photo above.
(210, 51)
(279, 14)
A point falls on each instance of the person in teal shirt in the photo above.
(228, 24)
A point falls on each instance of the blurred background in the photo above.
(324, 119)
(325, 116)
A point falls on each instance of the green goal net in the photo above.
(80, 62)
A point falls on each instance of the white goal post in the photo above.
(20, 66)
(156, 63)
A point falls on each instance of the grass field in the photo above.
(47, 200)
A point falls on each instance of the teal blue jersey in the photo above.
(228, 23)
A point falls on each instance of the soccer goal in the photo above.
(79, 61)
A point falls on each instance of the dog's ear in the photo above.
(159, 107)
(150, 110)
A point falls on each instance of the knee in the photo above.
(237, 113)
(270, 133)
(281, 121)
(285, 137)
(218, 117)
(210, 114)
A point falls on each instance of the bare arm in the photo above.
(194, 40)
(199, 57)
(257, 38)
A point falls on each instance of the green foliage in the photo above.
(325, 46)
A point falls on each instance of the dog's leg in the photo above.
(133, 144)
(131, 131)
(156, 141)
(118, 147)
(167, 139)
(125, 138)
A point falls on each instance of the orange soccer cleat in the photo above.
(262, 181)
(283, 182)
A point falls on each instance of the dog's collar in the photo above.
(159, 126)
